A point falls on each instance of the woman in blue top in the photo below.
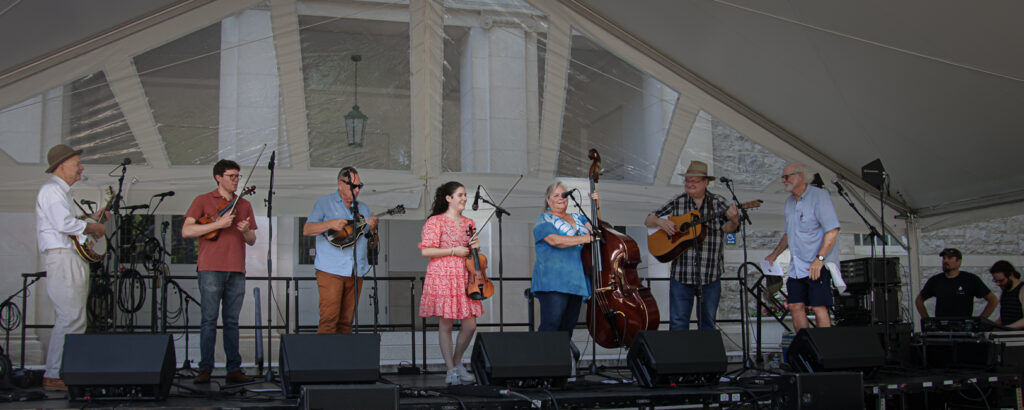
(558, 280)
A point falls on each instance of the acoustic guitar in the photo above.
(92, 247)
(689, 232)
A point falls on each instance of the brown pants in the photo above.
(337, 302)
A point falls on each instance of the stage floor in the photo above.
(428, 391)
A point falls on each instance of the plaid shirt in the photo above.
(702, 263)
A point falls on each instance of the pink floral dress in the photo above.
(444, 288)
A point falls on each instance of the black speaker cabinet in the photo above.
(118, 366)
(328, 359)
(835, 348)
(519, 359)
(350, 396)
(691, 357)
(813, 391)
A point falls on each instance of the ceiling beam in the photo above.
(609, 25)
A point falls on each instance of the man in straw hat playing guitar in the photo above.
(67, 274)
(699, 268)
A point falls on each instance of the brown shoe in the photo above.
(238, 377)
(202, 378)
(53, 384)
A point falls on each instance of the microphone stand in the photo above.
(595, 275)
(873, 235)
(270, 269)
(498, 211)
(742, 276)
(113, 243)
(355, 271)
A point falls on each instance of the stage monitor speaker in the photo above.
(835, 348)
(689, 357)
(813, 391)
(328, 359)
(118, 366)
(350, 397)
(522, 359)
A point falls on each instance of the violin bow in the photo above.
(251, 171)
(495, 209)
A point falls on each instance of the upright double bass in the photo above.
(624, 306)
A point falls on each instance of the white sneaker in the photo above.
(452, 377)
(464, 374)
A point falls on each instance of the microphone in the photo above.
(567, 193)
(87, 202)
(126, 162)
(476, 201)
(164, 194)
(134, 207)
(839, 186)
(725, 180)
(273, 156)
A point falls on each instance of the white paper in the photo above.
(837, 276)
(773, 269)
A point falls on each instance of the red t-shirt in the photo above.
(227, 252)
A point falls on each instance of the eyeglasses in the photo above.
(232, 176)
(351, 185)
(788, 176)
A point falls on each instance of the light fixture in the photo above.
(355, 121)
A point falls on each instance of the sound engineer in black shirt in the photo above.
(954, 290)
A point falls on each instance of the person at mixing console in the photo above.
(954, 290)
(1011, 302)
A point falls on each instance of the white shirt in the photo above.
(56, 215)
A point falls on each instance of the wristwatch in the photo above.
(821, 258)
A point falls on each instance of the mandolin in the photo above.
(689, 231)
(355, 228)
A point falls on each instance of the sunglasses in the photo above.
(788, 176)
(351, 185)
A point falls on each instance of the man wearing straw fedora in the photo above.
(67, 274)
(698, 269)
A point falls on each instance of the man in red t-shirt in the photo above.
(221, 267)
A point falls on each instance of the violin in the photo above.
(225, 208)
(479, 286)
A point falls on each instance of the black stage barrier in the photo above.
(118, 366)
(689, 357)
(522, 358)
(328, 359)
(825, 391)
(350, 397)
(835, 348)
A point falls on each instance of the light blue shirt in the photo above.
(559, 269)
(329, 258)
(807, 220)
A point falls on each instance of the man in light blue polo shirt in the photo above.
(811, 231)
(334, 265)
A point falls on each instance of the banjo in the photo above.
(92, 247)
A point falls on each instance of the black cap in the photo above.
(951, 252)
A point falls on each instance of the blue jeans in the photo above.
(217, 288)
(558, 311)
(681, 304)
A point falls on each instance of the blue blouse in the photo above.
(559, 269)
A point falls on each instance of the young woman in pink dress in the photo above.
(445, 241)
